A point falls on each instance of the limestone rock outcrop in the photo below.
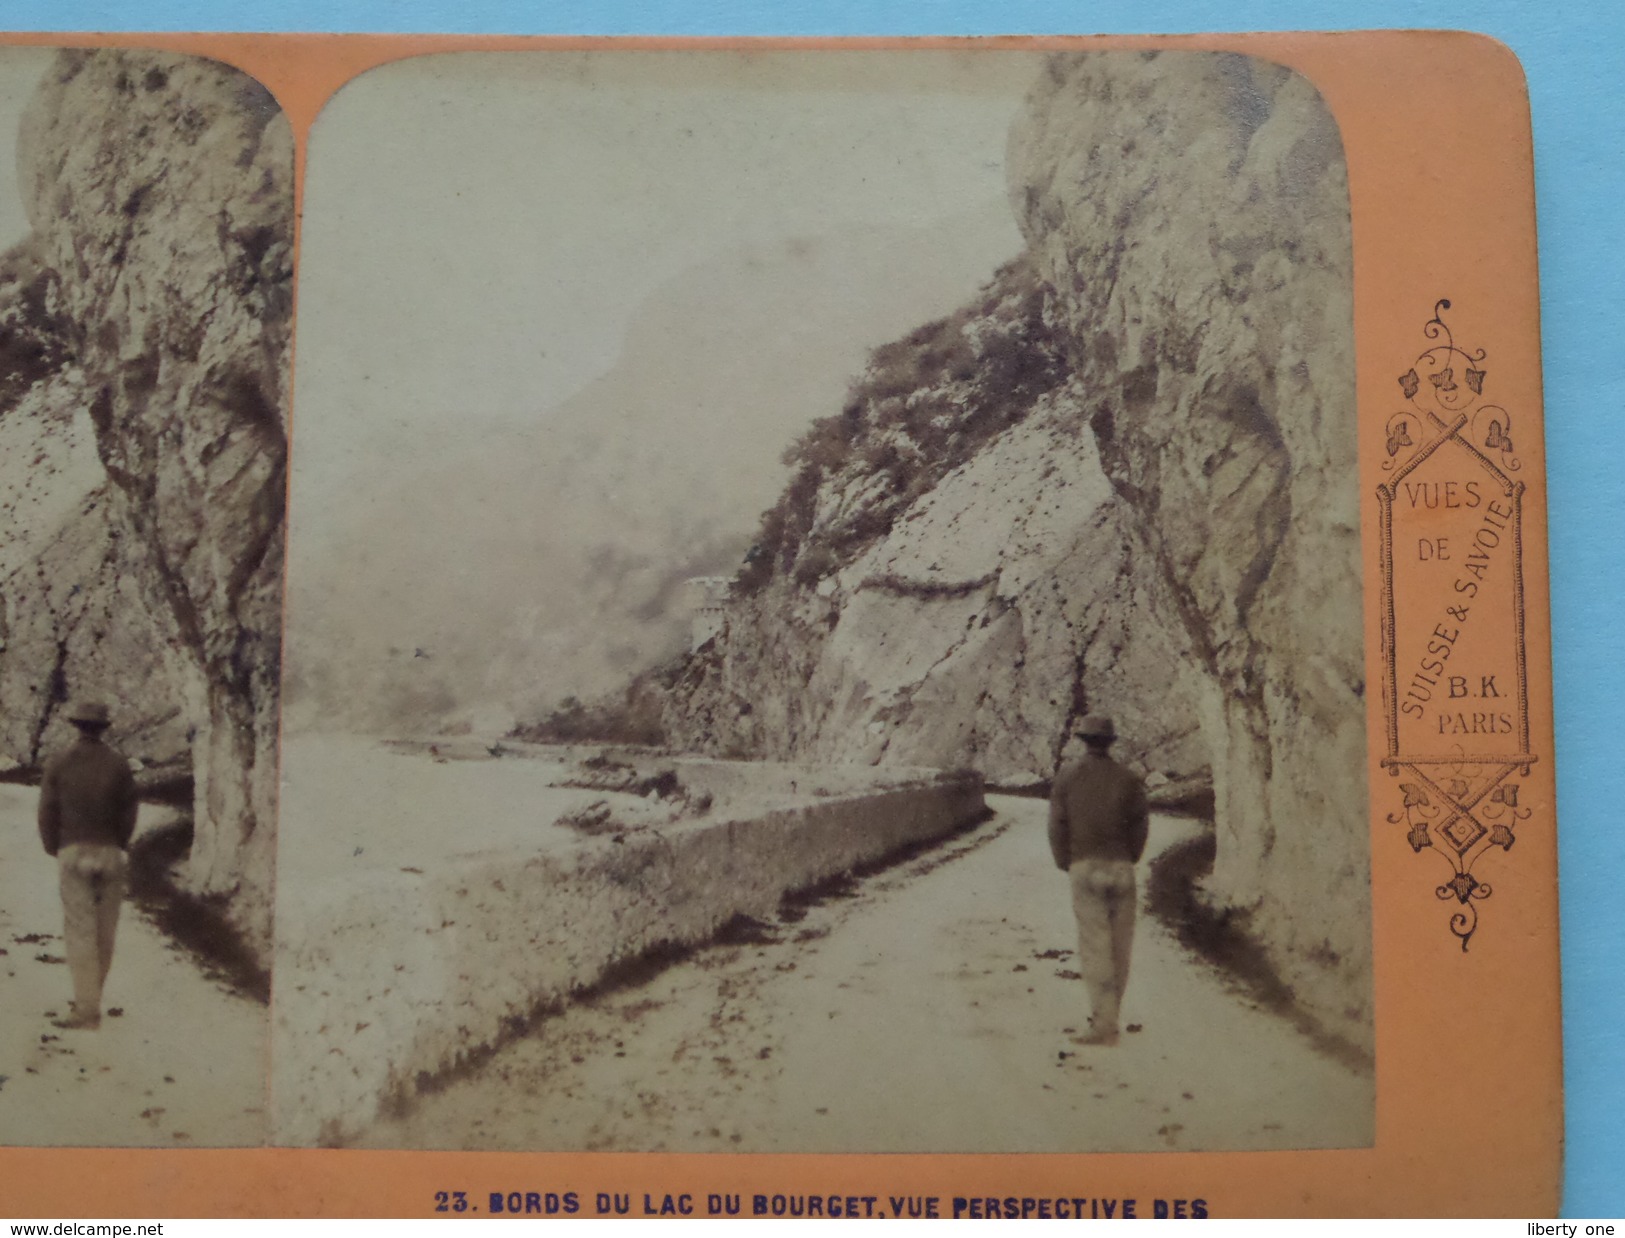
(73, 621)
(949, 580)
(159, 188)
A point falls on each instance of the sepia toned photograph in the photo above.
(146, 203)
(824, 610)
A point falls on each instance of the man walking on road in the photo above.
(87, 809)
(1098, 819)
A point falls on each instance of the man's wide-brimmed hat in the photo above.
(1097, 726)
(93, 712)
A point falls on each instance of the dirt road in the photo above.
(182, 1066)
(924, 1009)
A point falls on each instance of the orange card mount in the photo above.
(610, 713)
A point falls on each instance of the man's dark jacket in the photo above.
(1097, 810)
(87, 796)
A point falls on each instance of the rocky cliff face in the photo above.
(1126, 480)
(159, 188)
(1191, 213)
(72, 618)
(949, 579)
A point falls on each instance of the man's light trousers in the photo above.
(93, 878)
(1103, 898)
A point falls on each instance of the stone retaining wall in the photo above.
(396, 977)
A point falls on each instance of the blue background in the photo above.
(1576, 69)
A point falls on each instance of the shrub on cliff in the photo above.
(922, 407)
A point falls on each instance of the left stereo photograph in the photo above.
(146, 305)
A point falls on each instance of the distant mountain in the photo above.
(487, 575)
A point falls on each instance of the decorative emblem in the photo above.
(1455, 685)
